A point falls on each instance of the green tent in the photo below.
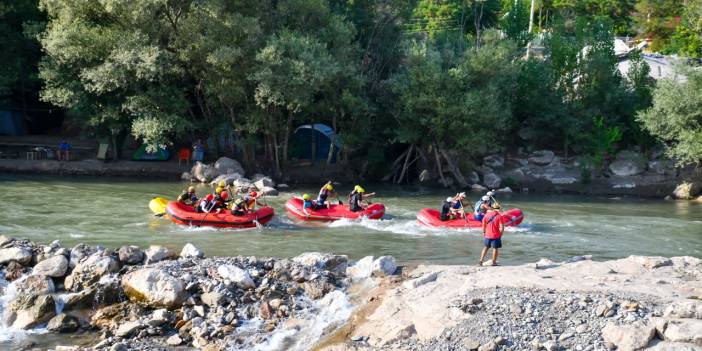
(142, 155)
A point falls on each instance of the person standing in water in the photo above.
(492, 234)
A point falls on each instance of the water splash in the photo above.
(8, 292)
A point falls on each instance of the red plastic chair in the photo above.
(184, 155)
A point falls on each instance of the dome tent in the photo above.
(312, 142)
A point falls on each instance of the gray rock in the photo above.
(130, 254)
(226, 165)
(127, 328)
(550, 345)
(662, 167)
(21, 255)
(213, 299)
(684, 191)
(30, 310)
(35, 284)
(159, 317)
(191, 251)
(363, 268)
(174, 340)
(627, 168)
(494, 161)
(89, 271)
(120, 346)
(478, 188)
(78, 253)
(541, 157)
(204, 173)
(63, 323)
(228, 179)
(628, 337)
(156, 253)
(384, 265)
(330, 262)
(186, 176)
(262, 181)
(473, 177)
(236, 275)
(424, 279)
(55, 266)
(269, 191)
(684, 309)
(154, 288)
(684, 330)
(490, 346)
(492, 180)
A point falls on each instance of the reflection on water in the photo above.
(113, 212)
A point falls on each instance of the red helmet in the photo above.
(253, 194)
(224, 195)
(209, 197)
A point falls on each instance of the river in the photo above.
(114, 212)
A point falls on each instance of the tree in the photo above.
(676, 117)
(657, 19)
(687, 39)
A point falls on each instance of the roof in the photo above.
(324, 129)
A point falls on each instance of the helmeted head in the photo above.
(461, 196)
(222, 184)
(191, 189)
(485, 198)
(306, 197)
(224, 195)
(449, 199)
(219, 190)
(360, 189)
(329, 187)
(490, 193)
(253, 194)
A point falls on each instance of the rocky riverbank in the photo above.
(134, 299)
(628, 304)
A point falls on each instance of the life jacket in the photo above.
(477, 208)
(445, 209)
(355, 202)
(323, 195)
(239, 203)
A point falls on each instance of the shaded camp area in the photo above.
(11, 123)
(313, 142)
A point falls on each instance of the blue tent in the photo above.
(312, 142)
(11, 123)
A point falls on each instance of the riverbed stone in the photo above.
(156, 253)
(492, 180)
(89, 271)
(204, 172)
(236, 275)
(78, 253)
(18, 254)
(191, 251)
(684, 330)
(14, 271)
(174, 340)
(130, 254)
(213, 298)
(684, 309)
(384, 265)
(110, 317)
(363, 268)
(263, 182)
(55, 266)
(30, 310)
(685, 190)
(628, 337)
(154, 288)
(35, 284)
(226, 165)
(269, 191)
(63, 323)
(128, 328)
(494, 161)
(327, 261)
(541, 157)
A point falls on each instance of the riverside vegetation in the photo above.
(444, 82)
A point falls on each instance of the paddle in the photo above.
(496, 203)
(207, 213)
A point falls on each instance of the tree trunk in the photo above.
(286, 138)
(404, 167)
(454, 170)
(330, 155)
(275, 153)
(438, 166)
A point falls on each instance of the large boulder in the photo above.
(268, 191)
(243, 184)
(628, 163)
(541, 157)
(628, 337)
(153, 288)
(228, 178)
(63, 323)
(156, 253)
(203, 172)
(236, 275)
(191, 251)
(21, 255)
(684, 330)
(687, 190)
(363, 268)
(384, 265)
(662, 167)
(263, 180)
(30, 310)
(326, 261)
(55, 266)
(89, 271)
(78, 253)
(494, 161)
(130, 254)
(35, 284)
(492, 180)
(226, 165)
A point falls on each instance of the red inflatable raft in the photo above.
(430, 217)
(186, 215)
(336, 212)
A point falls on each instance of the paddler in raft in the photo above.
(356, 198)
(308, 203)
(244, 204)
(324, 193)
(188, 197)
(253, 200)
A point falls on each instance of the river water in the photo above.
(113, 212)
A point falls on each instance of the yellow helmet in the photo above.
(219, 189)
(356, 188)
(306, 197)
(360, 190)
(329, 187)
(191, 189)
(222, 184)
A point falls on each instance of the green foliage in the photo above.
(515, 23)
(601, 142)
(676, 117)
(687, 39)
(656, 19)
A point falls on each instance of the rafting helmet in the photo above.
(253, 194)
(360, 190)
(449, 199)
(222, 184)
(191, 189)
(219, 190)
(224, 195)
(485, 198)
(490, 193)
(329, 187)
(306, 197)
